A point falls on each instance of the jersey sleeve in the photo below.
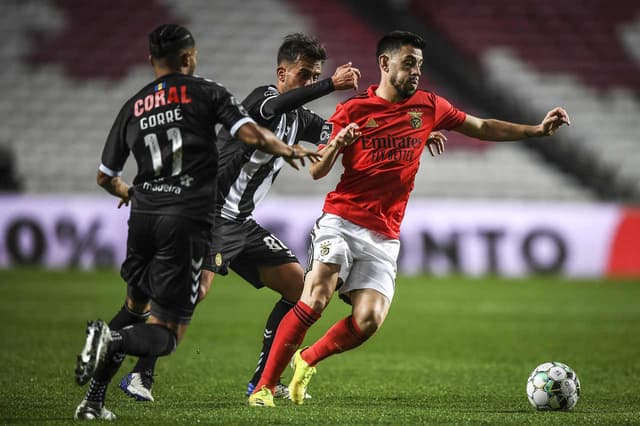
(296, 98)
(447, 116)
(228, 111)
(338, 121)
(116, 150)
(256, 100)
(312, 128)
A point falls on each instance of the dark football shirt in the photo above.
(169, 126)
(246, 174)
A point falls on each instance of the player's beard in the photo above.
(404, 88)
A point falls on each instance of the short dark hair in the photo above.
(298, 45)
(168, 41)
(394, 40)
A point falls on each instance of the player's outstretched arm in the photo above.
(344, 138)
(264, 140)
(345, 77)
(497, 130)
(114, 185)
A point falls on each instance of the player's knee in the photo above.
(167, 339)
(368, 321)
(293, 291)
(172, 345)
(318, 297)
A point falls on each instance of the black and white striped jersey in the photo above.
(246, 174)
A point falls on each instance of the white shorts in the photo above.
(367, 259)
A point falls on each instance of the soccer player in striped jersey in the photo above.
(355, 243)
(244, 178)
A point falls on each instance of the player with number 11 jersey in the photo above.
(174, 148)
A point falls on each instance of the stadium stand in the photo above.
(587, 57)
(70, 78)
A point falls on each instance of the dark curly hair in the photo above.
(298, 45)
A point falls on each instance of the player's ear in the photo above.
(185, 59)
(281, 73)
(383, 62)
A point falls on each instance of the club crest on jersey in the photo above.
(415, 119)
(218, 259)
(324, 248)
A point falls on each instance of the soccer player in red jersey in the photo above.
(355, 243)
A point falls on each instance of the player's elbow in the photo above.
(317, 172)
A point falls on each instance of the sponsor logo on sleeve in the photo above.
(325, 134)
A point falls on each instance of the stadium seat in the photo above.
(71, 87)
(547, 53)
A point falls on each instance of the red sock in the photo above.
(289, 336)
(344, 335)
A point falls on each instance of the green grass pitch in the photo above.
(453, 350)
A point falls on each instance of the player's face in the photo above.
(301, 73)
(405, 67)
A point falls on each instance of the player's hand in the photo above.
(124, 201)
(346, 77)
(347, 135)
(552, 121)
(437, 140)
(299, 152)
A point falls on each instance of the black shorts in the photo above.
(164, 259)
(244, 247)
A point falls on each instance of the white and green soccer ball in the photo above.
(553, 386)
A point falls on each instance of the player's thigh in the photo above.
(286, 279)
(265, 256)
(329, 246)
(374, 266)
(137, 300)
(227, 241)
(320, 283)
(140, 253)
(174, 272)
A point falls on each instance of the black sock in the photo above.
(96, 392)
(126, 317)
(279, 311)
(146, 365)
(101, 379)
(143, 340)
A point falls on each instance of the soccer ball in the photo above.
(553, 386)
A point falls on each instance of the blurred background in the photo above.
(566, 204)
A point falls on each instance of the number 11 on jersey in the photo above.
(151, 142)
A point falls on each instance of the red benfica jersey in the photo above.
(380, 167)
